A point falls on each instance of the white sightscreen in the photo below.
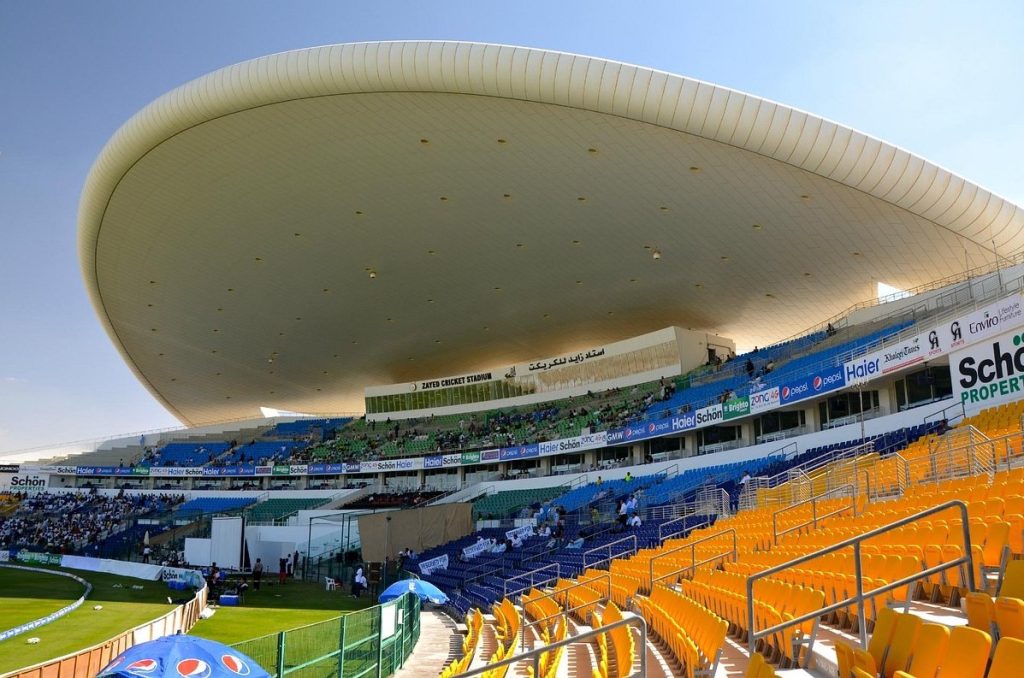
(226, 542)
(197, 551)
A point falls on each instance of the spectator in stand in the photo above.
(635, 520)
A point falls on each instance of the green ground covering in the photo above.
(277, 608)
(28, 595)
(25, 596)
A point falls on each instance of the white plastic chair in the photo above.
(330, 584)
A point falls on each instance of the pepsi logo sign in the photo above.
(234, 664)
(193, 668)
(816, 383)
(142, 667)
(785, 392)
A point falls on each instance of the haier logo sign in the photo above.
(684, 422)
(432, 462)
(860, 371)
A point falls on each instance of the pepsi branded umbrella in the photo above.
(182, 656)
(425, 590)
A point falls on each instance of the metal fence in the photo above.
(372, 642)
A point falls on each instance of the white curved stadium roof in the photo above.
(507, 201)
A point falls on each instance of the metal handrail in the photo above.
(556, 592)
(941, 415)
(558, 573)
(629, 619)
(662, 536)
(860, 596)
(813, 501)
(694, 566)
(693, 550)
(609, 546)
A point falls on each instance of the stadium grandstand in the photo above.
(678, 436)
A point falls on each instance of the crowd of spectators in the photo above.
(66, 523)
(363, 440)
(381, 500)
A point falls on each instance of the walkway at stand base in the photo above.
(440, 641)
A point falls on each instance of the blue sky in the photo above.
(943, 80)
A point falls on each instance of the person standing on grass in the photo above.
(257, 574)
(282, 570)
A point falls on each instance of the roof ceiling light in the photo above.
(656, 254)
(373, 274)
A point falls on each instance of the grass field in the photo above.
(277, 608)
(27, 595)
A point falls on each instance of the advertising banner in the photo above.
(60, 470)
(25, 482)
(39, 558)
(281, 470)
(443, 461)
(767, 399)
(521, 452)
(264, 470)
(709, 416)
(490, 455)
(991, 371)
(988, 321)
(470, 458)
(812, 385)
(175, 472)
(408, 464)
(9, 468)
(590, 441)
(735, 408)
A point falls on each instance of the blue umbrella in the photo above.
(424, 589)
(182, 656)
